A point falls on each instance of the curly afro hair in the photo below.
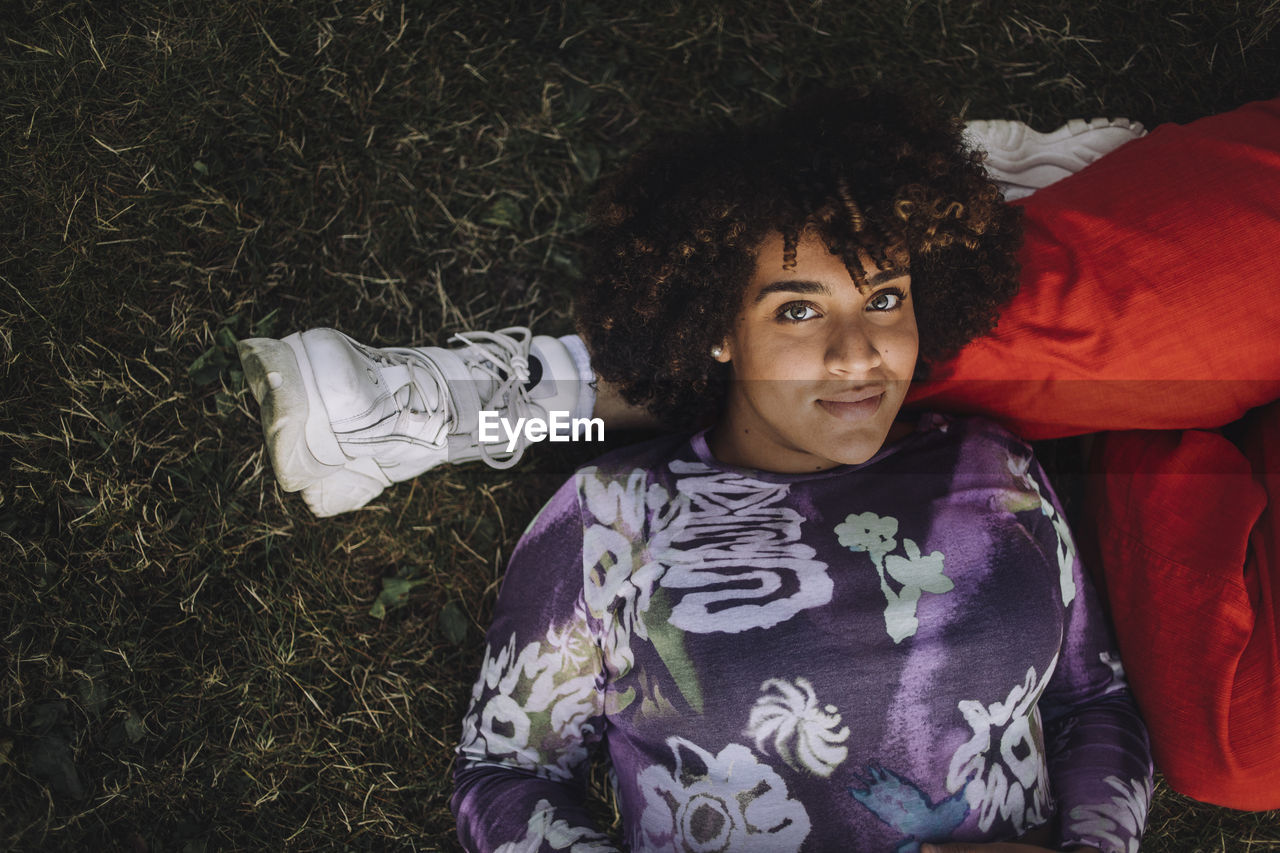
(674, 236)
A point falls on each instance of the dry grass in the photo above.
(189, 662)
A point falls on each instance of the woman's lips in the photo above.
(859, 411)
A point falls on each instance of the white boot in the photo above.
(343, 421)
(1022, 160)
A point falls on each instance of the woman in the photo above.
(1146, 309)
(811, 624)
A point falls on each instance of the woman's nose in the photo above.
(850, 350)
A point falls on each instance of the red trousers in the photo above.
(1149, 311)
(1187, 528)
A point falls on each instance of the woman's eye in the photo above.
(797, 312)
(886, 300)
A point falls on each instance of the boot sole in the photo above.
(1017, 148)
(279, 384)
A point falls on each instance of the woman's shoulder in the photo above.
(648, 456)
(619, 478)
(979, 431)
(632, 465)
(976, 446)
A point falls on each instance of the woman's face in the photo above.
(819, 367)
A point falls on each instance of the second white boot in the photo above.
(1023, 160)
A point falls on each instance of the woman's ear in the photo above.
(720, 352)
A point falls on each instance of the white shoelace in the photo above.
(505, 359)
(503, 356)
(417, 404)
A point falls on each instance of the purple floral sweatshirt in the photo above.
(862, 659)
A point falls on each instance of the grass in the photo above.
(189, 661)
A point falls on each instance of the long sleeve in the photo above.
(537, 706)
(1099, 757)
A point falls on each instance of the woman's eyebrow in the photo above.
(791, 286)
(886, 275)
(802, 286)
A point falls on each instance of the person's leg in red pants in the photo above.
(1188, 533)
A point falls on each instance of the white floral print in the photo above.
(543, 828)
(1020, 467)
(622, 552)
(1003, 763)
(723, 541)
(1117, 825)
(747, 567)
(727, 801)
(914, 573)
(504, 728)
(545, 693)
(805, 734)
(869, 532)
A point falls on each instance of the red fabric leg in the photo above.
(1188, 537)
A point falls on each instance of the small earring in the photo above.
(717, 351)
